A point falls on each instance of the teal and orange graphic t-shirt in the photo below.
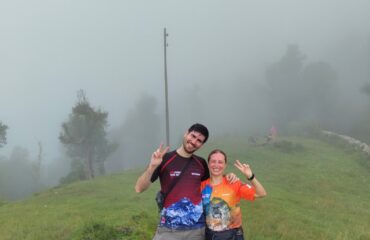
(221, 203)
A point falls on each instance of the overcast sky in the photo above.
(114, 50)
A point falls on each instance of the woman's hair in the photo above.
(217, 151)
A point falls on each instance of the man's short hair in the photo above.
(197, 127)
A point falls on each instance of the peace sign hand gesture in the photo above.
(157, 156)
(244, 168)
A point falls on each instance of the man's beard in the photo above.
(184, 144)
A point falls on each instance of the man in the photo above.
(182, 216)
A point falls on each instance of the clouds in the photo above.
(114, 50)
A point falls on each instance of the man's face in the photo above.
(193, 141)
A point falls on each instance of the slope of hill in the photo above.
(315, 190)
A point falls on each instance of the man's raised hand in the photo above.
(157, 156)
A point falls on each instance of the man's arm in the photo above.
(143, 182)
(231, 178)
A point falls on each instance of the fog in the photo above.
(219, 54)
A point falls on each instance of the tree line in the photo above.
(296, 94)
(89, 148)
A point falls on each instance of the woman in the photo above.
(221, 200)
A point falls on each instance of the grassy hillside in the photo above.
(315, 191)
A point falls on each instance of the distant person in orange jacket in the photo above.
(271, 137)
(221, 199)
(273, 132)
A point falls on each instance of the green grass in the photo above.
(63, 213)
(315, 191)
(318, 191)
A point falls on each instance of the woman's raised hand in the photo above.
(244, 168)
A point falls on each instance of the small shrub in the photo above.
(2, 202)
(137, 219)
(98, 231)
(125, 230)
(365, 237)
(76, 173)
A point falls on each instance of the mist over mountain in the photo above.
(237, 67)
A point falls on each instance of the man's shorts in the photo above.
(163, 233)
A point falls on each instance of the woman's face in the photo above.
(217, 164)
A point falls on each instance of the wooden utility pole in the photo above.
(165, 35)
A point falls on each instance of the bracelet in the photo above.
(251, 178)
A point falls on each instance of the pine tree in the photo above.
(85, 138)
(3, 129)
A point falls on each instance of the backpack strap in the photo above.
(173, 183)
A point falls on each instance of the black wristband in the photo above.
(251, 178)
